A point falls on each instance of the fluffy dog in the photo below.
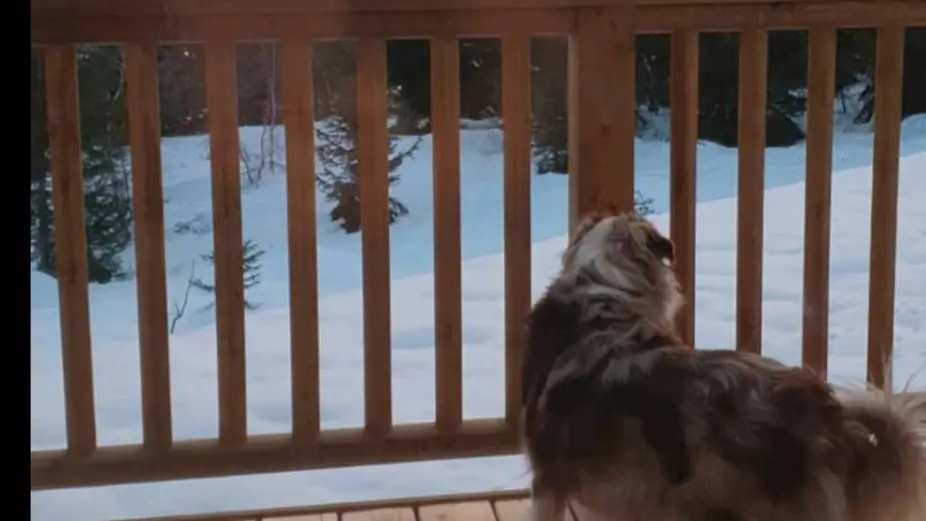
(624, 421)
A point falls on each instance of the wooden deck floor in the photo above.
(494, 506)
(470, 510)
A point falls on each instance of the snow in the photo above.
(193, 353)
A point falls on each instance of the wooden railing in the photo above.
(601, 133)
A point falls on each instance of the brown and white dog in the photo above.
(626, 423)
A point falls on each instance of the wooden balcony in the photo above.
(601, 104)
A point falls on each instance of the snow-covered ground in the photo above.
(193, 353)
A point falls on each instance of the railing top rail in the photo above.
(209, 7)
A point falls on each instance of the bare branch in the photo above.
(180, 309)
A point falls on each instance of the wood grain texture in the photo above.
(299, 121)
(144, 126)
(519, 509)
(247, 7)
(328, 516)
(222, 117)
(373, 171)
(189, 459)
(67, 192)
(683, 139)
(821, 78)
(381, 514)
(463, 511)
(333, 511)
(753, 87)
(448, 299)
(516, 114)
(884, 186)
(601, 104)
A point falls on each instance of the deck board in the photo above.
(512, 509)
(306, 517)
(447, 509)
(499, 505)
(517, 510)
(381, 514)
(466, 511)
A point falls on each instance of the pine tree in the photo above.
(42, 248)
(251, 266)
(107, 197)
(642, 204)
(107, 192)
(336, 140)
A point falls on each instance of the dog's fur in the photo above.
(624, 421)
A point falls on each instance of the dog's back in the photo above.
(721, 435)
(800, 451)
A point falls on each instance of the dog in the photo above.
(624, 422)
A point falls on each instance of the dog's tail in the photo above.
(888, 432)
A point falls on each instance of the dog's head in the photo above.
(627, 253)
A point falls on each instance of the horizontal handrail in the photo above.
(120, 464)
(60, 26)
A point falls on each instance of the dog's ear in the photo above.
(661, 246)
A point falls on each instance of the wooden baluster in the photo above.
(445, 127)
(222, 117)
(753, 86)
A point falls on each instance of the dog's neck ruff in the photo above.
(591, 246)
(590, 260)
(589, 280)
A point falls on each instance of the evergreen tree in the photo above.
(40, 226)
(251, 266)
(337, 134)
(642, 204)
(107, 197)
(107, 191)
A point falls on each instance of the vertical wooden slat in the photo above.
(821, 78)
(299, 121)
(445, 127)
(516, 114)
(602, 99)
(141, 74)
(753, 70)
(372, 151)
(683, 136)
(63, 115)
(222, 117)
(885, 172)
